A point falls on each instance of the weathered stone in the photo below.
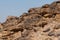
(41, 23)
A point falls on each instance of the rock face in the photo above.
(42, 23)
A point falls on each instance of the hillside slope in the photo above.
(41, 23)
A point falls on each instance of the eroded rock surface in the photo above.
(42, 23)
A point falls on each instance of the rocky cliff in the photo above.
(41, 23)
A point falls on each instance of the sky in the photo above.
(18, 7)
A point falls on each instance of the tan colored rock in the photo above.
(41, 23)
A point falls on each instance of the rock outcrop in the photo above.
(42, 23)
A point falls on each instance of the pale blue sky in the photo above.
(17, 7)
